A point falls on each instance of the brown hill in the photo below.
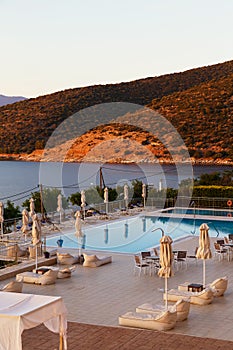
(194, 101)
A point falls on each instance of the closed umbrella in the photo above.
(126, 195)
(106, 198)
(32, 207)
(204, 251)
(36, 232)
(83, 201)
(166, 257)
(144, 194)
(1, 216)
(25, 220)
(59, 205)
(78, 228)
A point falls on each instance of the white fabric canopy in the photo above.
(20, 311)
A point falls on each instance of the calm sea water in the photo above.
(19, 179)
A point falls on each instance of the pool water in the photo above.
(197, 211)
(135, 234)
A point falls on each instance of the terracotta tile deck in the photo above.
(92, 337)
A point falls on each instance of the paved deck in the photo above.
(95, 297)
(89, 337)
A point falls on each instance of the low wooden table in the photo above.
(191, 287)
(41, 270)
(195, 287)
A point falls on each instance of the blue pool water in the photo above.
(197, 211)
(135, 234)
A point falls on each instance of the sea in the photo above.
(19, 179)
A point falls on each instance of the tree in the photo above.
(11, 213)
(37, 202)
(49, 197)
(93, 195)
(137, 188)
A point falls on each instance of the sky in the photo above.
(52, 45)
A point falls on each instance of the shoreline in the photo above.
(29, 158)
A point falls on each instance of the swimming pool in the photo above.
(135, 234)
(197, 211)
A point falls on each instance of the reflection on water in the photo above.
(126, 230)
(144, 224)
(106, 235)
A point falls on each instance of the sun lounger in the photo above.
(48, 277)
(163, 321)
(61, 273)
(94, 261)
(182, 308)
(66, 272)
(219, 286)
(67, 259)
(199, 298)
(13, 286)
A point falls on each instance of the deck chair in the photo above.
(182, 308)
(145, 255)
(139, 265)
(193, 256)
(181, 258)
(155, 252)
(220, 251)
(220, 241)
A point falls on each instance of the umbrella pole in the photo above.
(79, 248)
(203, 273)
(36, 257)
(166, 292)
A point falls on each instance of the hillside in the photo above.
(198, 102)
(204, 118)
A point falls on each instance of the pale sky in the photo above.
(52, 45)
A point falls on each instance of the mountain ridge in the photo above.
(5, 100)
(45, 113)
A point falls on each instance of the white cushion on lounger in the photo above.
(182, 308)
(48, 277)
(160, 322)
(200, 298)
